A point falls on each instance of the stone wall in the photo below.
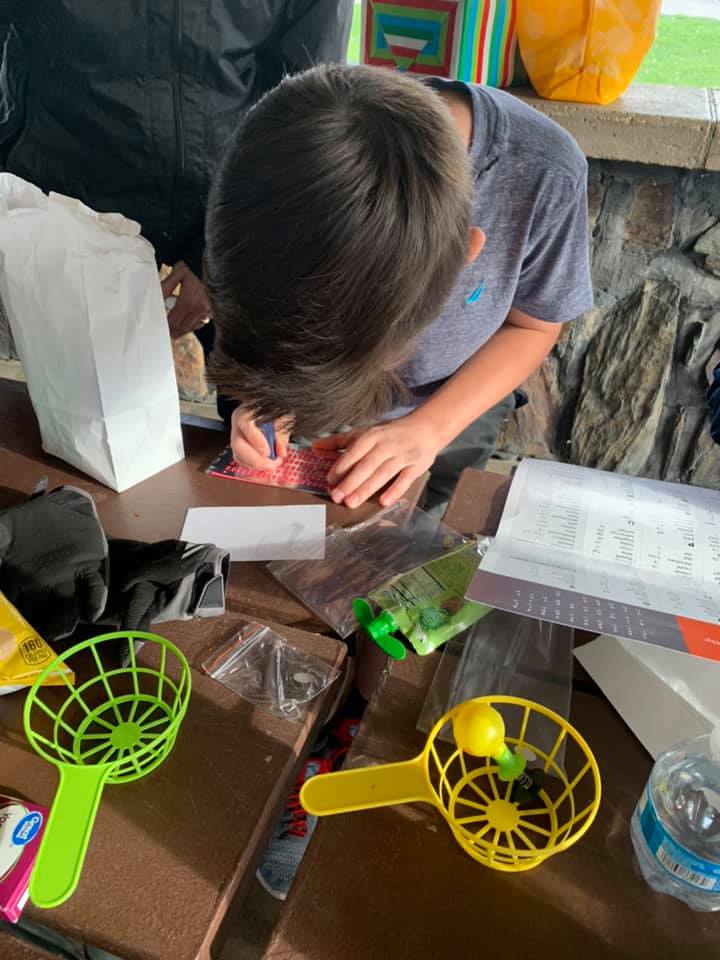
(625, 387)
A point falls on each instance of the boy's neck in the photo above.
(460, 107)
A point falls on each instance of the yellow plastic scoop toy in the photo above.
(473, 784)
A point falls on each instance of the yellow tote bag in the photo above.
(587, 51)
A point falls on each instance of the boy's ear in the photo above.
(476, 241)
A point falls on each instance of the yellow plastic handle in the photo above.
(62, 851)
(367, 787)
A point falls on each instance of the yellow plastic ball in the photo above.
(479, 730)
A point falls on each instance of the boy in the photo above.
(393, 255)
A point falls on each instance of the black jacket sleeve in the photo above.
(8, 9)
(193, 252)
(312, 31)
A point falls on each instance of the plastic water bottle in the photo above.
(676, 825)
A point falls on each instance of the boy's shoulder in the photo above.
(526, 136)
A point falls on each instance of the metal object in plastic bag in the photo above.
(263, 668)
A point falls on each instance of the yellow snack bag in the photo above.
(587, 51)
(23, 653)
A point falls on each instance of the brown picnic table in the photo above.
(170, 852)
(392, 884)
(12, 948)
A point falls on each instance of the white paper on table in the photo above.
(643, 542)
(260, 533)
(663, 695)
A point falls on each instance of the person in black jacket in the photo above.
(127, 106)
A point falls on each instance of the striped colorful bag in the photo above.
(473, 40)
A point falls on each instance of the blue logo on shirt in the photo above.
(27, 829)
(476, 294)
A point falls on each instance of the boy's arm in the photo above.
(499, 366)
(405, 448)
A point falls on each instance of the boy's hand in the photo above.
(249, 446)
(192, 309)
(402, 448)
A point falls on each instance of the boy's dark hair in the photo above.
(337, 226)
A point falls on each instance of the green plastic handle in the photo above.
(67, 834)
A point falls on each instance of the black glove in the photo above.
(54, 561)
(170, 580)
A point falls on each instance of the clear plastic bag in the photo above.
(504, 654)
(263, 668)
(359, 558)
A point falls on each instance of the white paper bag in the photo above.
(664, 696)
(81, 292)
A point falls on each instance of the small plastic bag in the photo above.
(359, 558)
(263, 668)
(504, 654)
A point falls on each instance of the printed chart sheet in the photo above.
(609, 553)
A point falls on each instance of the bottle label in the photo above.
(678, 861)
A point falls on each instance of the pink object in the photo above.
(21, 830)
(302, 469)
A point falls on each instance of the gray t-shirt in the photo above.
(530, 199)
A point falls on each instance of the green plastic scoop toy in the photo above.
(114, 725)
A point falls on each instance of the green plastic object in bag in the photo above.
(423, 608)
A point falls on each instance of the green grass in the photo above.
(685, 54)
(354, 45)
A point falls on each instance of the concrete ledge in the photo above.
(670, 126)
